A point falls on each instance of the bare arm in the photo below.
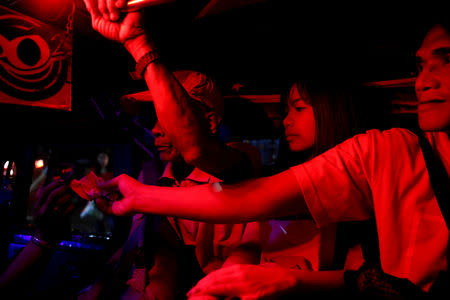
(173, 105)
(180, 119)
(267, 281)
(251, 200)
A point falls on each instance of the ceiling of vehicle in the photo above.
(261, 44)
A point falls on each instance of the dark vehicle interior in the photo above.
(252, 48)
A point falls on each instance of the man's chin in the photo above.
(164, 157)
(169, 157)
(433, 123)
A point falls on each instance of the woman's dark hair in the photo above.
(333, 107)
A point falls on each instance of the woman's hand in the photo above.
(246, 282)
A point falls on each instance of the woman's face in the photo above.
(299, 123)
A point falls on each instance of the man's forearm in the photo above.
(181, 118)
(251, 200)
(173, 105)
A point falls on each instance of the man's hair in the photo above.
(424, 26)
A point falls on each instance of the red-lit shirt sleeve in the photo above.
(335, 186)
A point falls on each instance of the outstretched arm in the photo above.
(251, 200)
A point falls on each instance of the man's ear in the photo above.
(213, 121)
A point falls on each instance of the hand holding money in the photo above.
(88, 188)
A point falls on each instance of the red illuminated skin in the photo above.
(167, 152)
(223, 204)
(433, 82)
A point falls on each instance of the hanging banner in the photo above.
(35, 61)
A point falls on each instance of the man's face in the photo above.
(167, 151)
(433, 82)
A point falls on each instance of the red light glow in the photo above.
(38, 163)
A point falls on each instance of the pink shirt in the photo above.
(383, 174)
(213, 242)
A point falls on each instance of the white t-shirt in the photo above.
(383, 174)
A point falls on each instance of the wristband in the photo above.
(142, 64)
(41, 243)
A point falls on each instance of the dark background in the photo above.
(260, 46)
